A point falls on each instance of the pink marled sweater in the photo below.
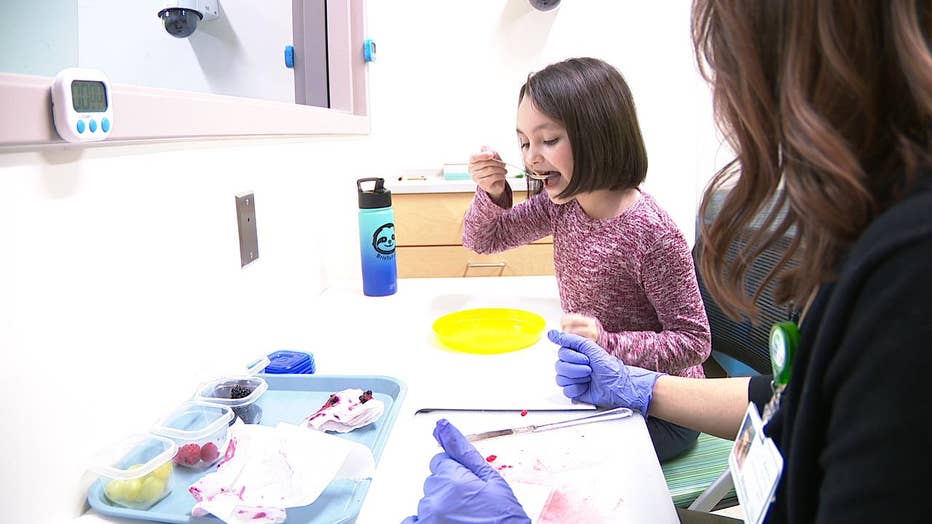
(633, 273)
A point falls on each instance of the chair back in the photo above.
(743, 340)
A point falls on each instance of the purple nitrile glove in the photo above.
(463, 487)
(589, 374)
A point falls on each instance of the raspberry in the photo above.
(209, 452)
(189, 454)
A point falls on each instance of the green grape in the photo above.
(151, 490)
(133, 487)
(164, 471)
(116, 491)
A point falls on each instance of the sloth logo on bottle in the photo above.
(383, 240)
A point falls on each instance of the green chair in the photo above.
(690, 474)
(700, 479)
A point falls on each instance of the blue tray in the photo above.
(290, 398)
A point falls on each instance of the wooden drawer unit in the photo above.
(429, 232)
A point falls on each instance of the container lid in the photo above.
(306, 368)
(376, 197)
(232, 391)
(133, 457)
(286, 361)
(195, 420)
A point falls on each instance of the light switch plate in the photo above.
(246, 222)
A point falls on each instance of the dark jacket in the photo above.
(853, 425)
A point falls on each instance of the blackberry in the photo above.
(239, 392)
(365, 397)
(250, 414)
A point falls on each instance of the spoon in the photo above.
(525, 172)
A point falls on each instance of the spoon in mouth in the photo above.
(527, 172)
(535, 176)
(524, 171)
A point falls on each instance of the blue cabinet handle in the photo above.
(368, 50)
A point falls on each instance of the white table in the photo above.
(355, 334)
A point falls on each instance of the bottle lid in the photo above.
(376, 197)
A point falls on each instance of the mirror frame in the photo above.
(151, 114)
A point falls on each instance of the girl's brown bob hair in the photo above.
(592, 101)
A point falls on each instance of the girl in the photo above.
(624, 269)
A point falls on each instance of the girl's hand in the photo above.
(488, 172)
(581, 325)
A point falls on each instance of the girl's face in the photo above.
(546, 148)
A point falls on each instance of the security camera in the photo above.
(181, 16)
(544, 5)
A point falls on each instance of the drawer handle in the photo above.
(471, 265)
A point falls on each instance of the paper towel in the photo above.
(267, 469)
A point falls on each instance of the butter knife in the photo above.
(611, 414)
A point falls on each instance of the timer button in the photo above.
(105, 125)
(80, 126)
(92, 125)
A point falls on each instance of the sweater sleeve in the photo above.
(490, 228)
(669, 282)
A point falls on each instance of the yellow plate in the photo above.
(489, 330)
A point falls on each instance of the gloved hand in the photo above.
(463, 487)
(589, 374)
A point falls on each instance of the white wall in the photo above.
(120, 285)
(451, 72)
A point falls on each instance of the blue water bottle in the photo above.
(377, 239)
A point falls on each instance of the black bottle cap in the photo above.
(376, 197)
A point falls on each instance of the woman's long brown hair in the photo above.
(828, 107)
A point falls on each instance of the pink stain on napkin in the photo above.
(345, 411)
(268, 469)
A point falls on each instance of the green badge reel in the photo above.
(784, 339)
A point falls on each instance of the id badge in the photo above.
(756, 465)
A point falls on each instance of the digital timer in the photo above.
(82, 106)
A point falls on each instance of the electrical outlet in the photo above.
(246, 223)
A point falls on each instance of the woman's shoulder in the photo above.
(903, 226)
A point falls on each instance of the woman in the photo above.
(828, 107)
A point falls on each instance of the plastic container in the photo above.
(137, 472)
(239, 393)
(200, 430)
(287, 362)
(377, 239)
